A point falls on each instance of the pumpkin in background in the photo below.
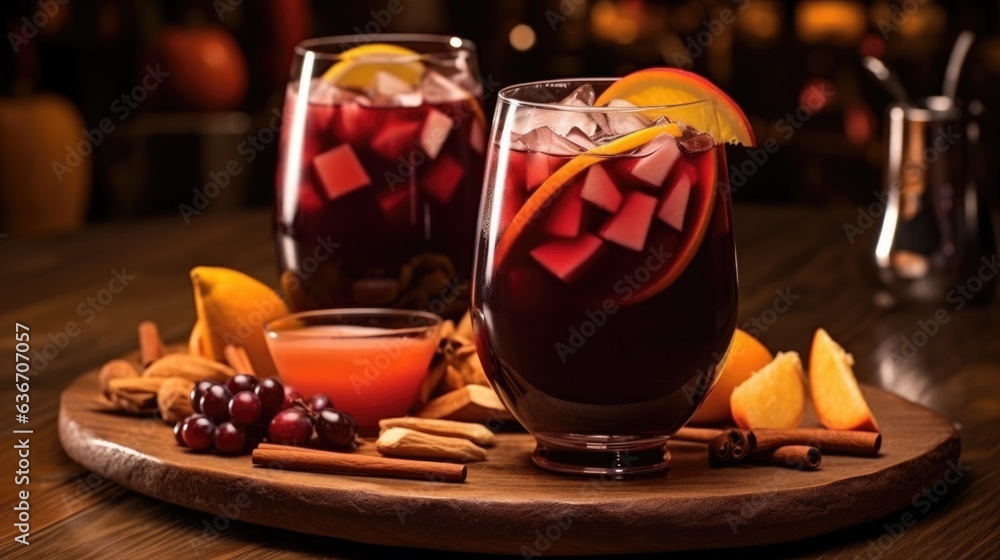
(45, 165)
(207, 68)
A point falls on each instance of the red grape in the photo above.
(291, 395)
(241, 382)
(177, 433)
(199, 391)
(198, 432)
(291, 426)
(271, 394)
(318, 402)
(245, 408)
(336, 429)
(215, 403)
(230, 438)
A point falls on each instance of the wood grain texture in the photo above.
(506, 500)
(797, 250)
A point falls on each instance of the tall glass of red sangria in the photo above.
(379, 175)
(605, 291)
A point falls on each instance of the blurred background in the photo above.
(91, 132)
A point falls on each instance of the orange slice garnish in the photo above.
(655, 87)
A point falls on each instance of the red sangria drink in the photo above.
(381, 163)
(605, 287)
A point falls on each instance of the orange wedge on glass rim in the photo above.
(641, 91)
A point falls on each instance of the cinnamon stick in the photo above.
(828, 441)
(315, 460)
(801, 457)
(700, 435)
(238, 359)
(151, 346)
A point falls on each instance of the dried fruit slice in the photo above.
(656, 87)
(339, 171)
(564, 258)
(600, 190)
(774, 397)
(652, 169)
(359, 66)
(629, 226)
(835, 392)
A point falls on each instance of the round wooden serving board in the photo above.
(509, 506)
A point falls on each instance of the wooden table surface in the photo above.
(58, 288)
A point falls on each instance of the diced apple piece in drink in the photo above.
(394, 204)
(339, 171)
(599, 189)
(443, 178)
(437, 127)
(395, 136)
(674, 206)
(564, 258)
(538, 170)
(628, 227)
(653, 169)
(354, 121)
(566, 216)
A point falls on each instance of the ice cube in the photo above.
(436, 128)
(674, 206)
(322, 92)
(388, 90)
(619, 123)
(656, 161)
(630, 224)
(547, 141)
(580, 138)
(564, 258)
(443, 178)
(340, 171)
(582, 96)
(561, 122)
(600, 190)
(438, 89)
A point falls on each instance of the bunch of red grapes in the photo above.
(235, 416)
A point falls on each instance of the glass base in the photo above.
(617, 457)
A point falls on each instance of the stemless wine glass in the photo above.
(605, 288)
(378, 182)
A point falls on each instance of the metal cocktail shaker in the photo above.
(937, 240)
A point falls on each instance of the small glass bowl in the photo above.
(370, 362)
